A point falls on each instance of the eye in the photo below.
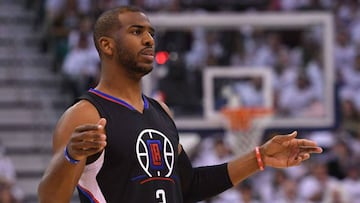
(136, 32)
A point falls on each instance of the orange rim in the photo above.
(240, 119)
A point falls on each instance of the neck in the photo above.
(128, 91)
(118, 82)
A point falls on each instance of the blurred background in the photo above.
(299, 58)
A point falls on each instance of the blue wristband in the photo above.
(69, 158)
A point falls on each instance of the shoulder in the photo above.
(165, 107)
(82, 112)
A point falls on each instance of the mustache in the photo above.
(148, 49)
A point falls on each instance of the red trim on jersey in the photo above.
(157, 178)
(88, 194)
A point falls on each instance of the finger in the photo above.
(303, 157)
(91, 136)
(311, 149)
(90, 145)
(88, 136)
(85, 152)
(101, 123)
(299, 158)
(87, 147)
(306, 142)
(295, 161)
(284, 138)
(87, 143)
(87, 127)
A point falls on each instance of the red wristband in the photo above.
(258, 159)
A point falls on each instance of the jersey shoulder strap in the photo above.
(94, 101)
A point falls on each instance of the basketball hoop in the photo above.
(245, 126)
(241, 118)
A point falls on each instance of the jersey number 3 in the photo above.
(160, 196)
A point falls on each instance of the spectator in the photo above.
(195, 58)
(295, 99)
(291, 5)
(9, 189)
(344, 51)
(351, 183)
(284, 73)
(215, 151)
(6, 194)
(239, 56)
(84, 28)
(320, 187)
(174, 88)
(268, 48)
(80, 68)
(354, 28)
(251, 92)
(350, 116)
(351, 75)
(271, 190)
(340, 158)
(7, 169)
(289, 192)
(314, 69)
(159, 5)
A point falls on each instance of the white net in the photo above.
(244, 127)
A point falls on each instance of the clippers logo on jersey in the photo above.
(155, 154)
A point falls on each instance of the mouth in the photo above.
(148, 53)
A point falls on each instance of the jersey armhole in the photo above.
(166, 110)
(91, 159)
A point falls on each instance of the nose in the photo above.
(148, 39)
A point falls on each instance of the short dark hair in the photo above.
(108, 22)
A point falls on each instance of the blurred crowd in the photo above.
(294, 57)
(331, 177)
(10, 192)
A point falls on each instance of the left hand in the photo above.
(285, 150)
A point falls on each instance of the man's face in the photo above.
(135, 43)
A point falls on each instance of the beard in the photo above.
(129, 62)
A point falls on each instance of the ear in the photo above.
(106, 45)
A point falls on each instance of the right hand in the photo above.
(87, 140)
(283, 151)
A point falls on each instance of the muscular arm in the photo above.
(61, 176)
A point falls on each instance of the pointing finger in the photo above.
(311, 149)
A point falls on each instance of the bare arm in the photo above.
(81, 130)
(279, 152)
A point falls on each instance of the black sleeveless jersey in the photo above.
(139, 163)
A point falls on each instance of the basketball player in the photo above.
(117, 145)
